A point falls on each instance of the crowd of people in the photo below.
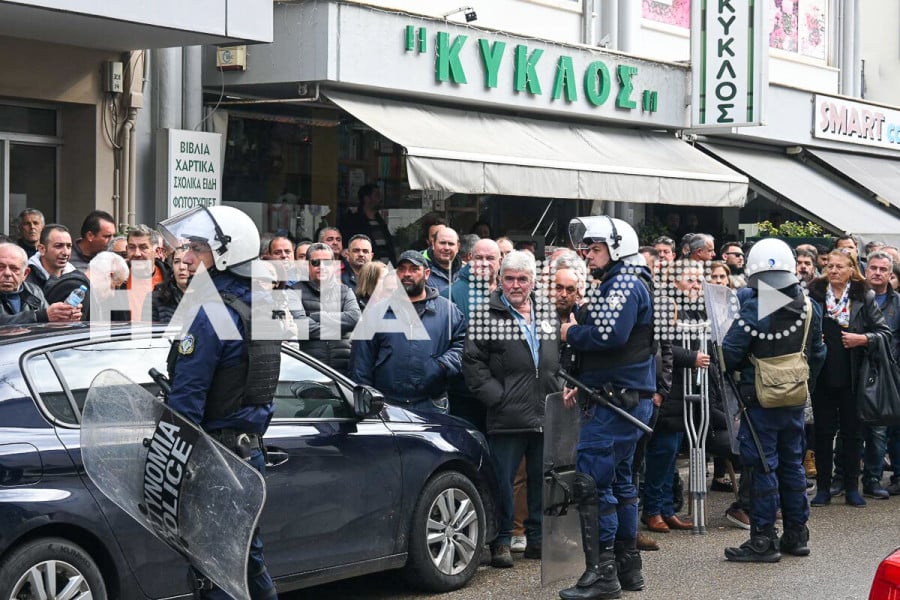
(497, 326)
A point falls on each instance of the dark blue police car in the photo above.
(350, 491)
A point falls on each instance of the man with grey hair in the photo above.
(879, 266)
(23, 302)
(466, 245)
(510, 363)
(470, 293)
(30, 223)
(806, 265)
(702, 247)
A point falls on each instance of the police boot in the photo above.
(628, 565)
(759, 548)
(599, 579)
(794, 541)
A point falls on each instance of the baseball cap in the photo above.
(414, 257)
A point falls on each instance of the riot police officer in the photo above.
(774, 316)
(226, 386)
(614, 341)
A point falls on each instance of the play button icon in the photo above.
(770, 300)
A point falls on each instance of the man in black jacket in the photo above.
(510, 360)
(368, 221)
(22, 302)
(331, 319)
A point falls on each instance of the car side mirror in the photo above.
(367, 401)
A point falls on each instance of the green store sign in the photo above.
(595, 82)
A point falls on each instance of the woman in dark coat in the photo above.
(851, 318)
(168, 294)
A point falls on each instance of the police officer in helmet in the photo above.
(226, 386)
(615, 348)
(776, 322)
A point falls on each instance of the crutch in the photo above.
(696, 392)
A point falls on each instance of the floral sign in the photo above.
(670, 12)
(798, 26)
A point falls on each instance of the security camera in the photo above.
(468, 11)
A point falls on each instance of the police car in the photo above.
(353, 487)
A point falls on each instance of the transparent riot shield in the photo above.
(184, 487)
(561, 556)
(722, 308)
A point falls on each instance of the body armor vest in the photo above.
(251, 382)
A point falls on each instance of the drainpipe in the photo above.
(848, 64)
(609, 24)
(192, 87)
(857, 51)
(629, 25)
(128, 144)
(589, 22)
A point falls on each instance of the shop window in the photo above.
(32, 181)
(795, 26)
(23, 119)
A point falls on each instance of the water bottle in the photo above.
(77, 296)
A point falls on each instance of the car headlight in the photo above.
(480, 438)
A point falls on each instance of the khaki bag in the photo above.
(783, 381)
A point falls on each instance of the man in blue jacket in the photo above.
(774, 316)
(414, 373)
(615, 346)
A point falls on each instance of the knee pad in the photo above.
(584, 490)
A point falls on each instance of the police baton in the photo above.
(603, 400)
(161, 380)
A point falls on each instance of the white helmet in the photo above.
(772, 261)
(619, 236)
(231, 234)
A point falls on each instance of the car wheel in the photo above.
(52, 569)
(446, 535)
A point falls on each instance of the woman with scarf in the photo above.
(851, 319)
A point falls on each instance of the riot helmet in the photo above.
(619, 237)
(230, 233)
(771, 261)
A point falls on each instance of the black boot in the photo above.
(599, 579)
(794, 541)
(628, 565)
(759, 548)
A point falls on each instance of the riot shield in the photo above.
(184, 487)
(561, 556)
(722, 308)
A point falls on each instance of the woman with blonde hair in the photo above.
(850, 318)
(367, 281)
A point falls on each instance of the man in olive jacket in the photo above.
(509, 362)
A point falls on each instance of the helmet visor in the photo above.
(577, 230)
(192, 226)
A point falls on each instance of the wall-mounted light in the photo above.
(468, 11)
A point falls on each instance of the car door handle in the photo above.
(275, 456)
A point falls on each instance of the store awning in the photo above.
(473, 152)
(814, 194)
(878, 175)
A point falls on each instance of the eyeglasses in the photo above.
(522, 280)
(569, 289)
(733, 254)
(316, 262)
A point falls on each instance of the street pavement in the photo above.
(847, 544)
